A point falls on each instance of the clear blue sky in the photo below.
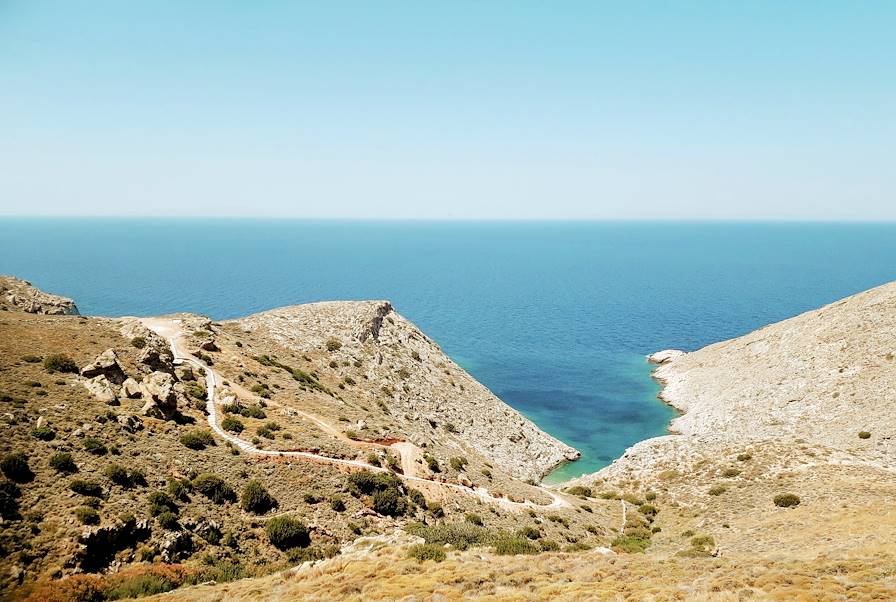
(769, 110)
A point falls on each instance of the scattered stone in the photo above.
(130, 423)
(176, 545)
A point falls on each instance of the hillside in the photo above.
(338, 439)
(777, 486)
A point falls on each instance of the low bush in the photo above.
(389, 502)
(138, 342)
(864, 435)
(436, 509)
(180, 489)
(717, 489)
(548, 545)
(86, 487)
(786, 500)
(118, 474)
(59, 362)
(15, 467)
(427, 551)
(577, 547)
(95, 446)
(745, 457)
(417, 498)
(432, 463)
(512, 545)
(458, 463)
(255, 498)
(299, 555)
(44, 433)
(285, 532)
(630, 544)
(232, 408)
(168, 520)
(87, 515)
(529, 532)
(63, 462)
(233, 425)
(648, 510)
(198, 439)
(337, 504)
(334, 344)
(580, 491)
(265, 432)
(253, 412)
(160, 502)
(473, 518)
(730, 472)
(460, 536)
(214, 488)
(373, 459)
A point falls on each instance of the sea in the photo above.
(555, 317)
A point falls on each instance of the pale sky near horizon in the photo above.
(462, 110)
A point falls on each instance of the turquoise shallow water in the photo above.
(555, 318)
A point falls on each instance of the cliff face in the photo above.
(16, 294)
(430, 398)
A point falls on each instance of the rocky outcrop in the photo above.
(131, 389)
(21, 295)
(665, 356)
(429, 396)
(102, 389)
(105, 364)
(97, 546)
(161, 398)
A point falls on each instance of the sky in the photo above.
(449, 110)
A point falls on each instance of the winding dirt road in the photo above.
(170, 330)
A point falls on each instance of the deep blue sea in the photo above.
(555, 318)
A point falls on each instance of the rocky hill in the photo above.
(777, 485)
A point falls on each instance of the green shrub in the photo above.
(233, 425)
(786, 500)
(9, 506)
(432, 463)
(118, 474)
(253, 412)
(138, 586)
(44, 433)
(389, 502)
(95, 446)
(648, 510)
(458, 463)
(864, 435)
(256, 499)
(168, 520)
(261, 390)
(580, 490)
(87, 515)
(577, 547)
(486, 473)
(214, 488)
(650, 496)
(417, 498)
(404, 374)
(31, 359)
(427, 551)
(196, 390)
(15, 467)
(366, 482)
(285, 533)
(138, 342)
(473, 518)
(373, 459)
(730, 472)
(630, 544)
(459, 536)
(63, 462)
(529, 532)
(745, 457)
(265, 432)
(512, 545)
(334, 344)
(59, 362)
(160, 502)
(232, 408)
(337, 504)
(198, 439)
(299, 555)
(86, 487)
(436, 509)
(180, 489)
(718, 489)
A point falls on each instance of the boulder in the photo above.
(157, 360)
(176, 545)
(130, 423)
(184, 373)
(160, 396)
(98, 545)
(105, 364)
(209, 345)
(102, 389)
(131, 389)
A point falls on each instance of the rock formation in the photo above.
(22, 295)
